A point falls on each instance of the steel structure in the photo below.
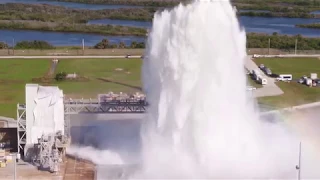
(51, 148)
(128, 105)
(21, 126)
(50, 151)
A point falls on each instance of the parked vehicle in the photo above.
(261, 66)
(255, 74)
(284, 77)
(262, 80)
(268, 71)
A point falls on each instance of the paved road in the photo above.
(271, 89)
(65, 57)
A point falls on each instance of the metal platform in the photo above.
(78, 106)
(112, 106)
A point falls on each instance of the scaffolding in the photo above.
(21, 127)
(50, 151)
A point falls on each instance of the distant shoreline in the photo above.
(310, 26)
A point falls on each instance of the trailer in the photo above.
(256, 74)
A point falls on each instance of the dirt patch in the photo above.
(6, 81)
(43, 80)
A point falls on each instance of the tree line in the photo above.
(254, 40)
(283, 42)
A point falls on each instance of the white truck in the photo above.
(284, 77)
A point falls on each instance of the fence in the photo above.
(70, 52)
(123, 52)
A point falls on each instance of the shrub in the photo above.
(61, 76)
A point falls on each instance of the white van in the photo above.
(264, 81)
(284, 77)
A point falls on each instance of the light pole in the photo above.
(15, 166)
(295, 47)
(269, 44)
(298, 167)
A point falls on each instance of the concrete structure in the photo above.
(6, 122)
(41, 115)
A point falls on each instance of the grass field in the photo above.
(294, 93)
(101, 76)
(123, 75)
(14, 74)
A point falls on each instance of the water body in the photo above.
(251, 24)
(279, 25)
(315, 12)
(63, 39)
(69, 4)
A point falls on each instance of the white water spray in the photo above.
(201, 123)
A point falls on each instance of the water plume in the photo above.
(201, 122)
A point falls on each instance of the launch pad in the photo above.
(43, 138)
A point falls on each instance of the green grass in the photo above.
(15, 73)
(295, 66)
(100, 68)
(294, 93)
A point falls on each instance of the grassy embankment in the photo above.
(16, 73)
(312, 26)
(294, 93)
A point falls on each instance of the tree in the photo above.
(103, 44)
(122, 45)
(3, 45)
(61, 76)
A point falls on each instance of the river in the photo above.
(62, 39)
(69, 4)
(251, 24)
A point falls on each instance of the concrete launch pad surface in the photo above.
(71, 169)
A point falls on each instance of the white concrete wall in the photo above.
(31, 94)
(44, 111)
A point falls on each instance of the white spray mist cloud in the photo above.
(94, 155)
(201, 122)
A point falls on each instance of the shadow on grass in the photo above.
(120, 83)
